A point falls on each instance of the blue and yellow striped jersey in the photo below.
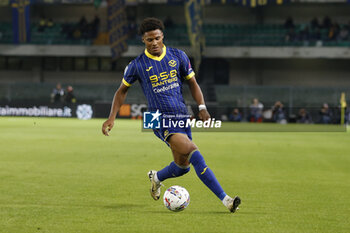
(161, 79)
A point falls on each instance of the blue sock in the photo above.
(173, 170)
(206, 175)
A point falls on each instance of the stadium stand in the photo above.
(216, 35)
(261, 57)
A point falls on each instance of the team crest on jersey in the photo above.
(172, 63)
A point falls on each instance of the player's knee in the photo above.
(182, 144)
(190, 148)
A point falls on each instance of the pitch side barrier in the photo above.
(81, 111)
(223, 118)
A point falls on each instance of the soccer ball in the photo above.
(176, 198)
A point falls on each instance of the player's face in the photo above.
(154, 42)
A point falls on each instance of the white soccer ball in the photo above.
(176, 198)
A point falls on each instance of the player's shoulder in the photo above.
(135, 62)
(176, 52)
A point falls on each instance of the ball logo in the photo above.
(84, 112)
(175, 192)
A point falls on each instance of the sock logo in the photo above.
(204, 170)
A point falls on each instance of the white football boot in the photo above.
(233, 204)
(155, 186)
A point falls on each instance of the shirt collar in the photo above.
(155, 57)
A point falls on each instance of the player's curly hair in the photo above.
(150, 24)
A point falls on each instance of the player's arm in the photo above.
(118, 101)
(198, 97)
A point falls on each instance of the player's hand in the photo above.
(204, 115)
(107, 126)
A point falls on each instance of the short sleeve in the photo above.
(130, 74)
(186, 70)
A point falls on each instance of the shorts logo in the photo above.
(172, 63)
(166, 132)
(151, 120)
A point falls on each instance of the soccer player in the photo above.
(161, 72)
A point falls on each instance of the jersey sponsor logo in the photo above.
(151, 120)
(149, 68)
(165, 88)
(163, 78)
(172, 63)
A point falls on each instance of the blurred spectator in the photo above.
(81, 30)
(289, 23)
(327, 23)
(69, 96)
(235, 116)
(256, 109)
(67, 29)
(304, 34)
(325, 114)
(57, 94)
(77, 34)
(82, 23)
(348, 26)
(95, 26)
(42, 24)
(344, 33)
(304, 117)
(314, 24)
(316, 34)
(334, 31)
(278, 113)
(267, 115)
(50, 23)
(291, 35)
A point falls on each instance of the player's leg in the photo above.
(176, 168)
(185, 151)
(180, 165)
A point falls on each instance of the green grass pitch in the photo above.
(63, 175)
